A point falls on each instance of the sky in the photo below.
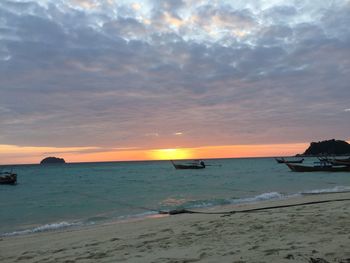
(132, 80)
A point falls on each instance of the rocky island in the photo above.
(52, 160)
(327, 147)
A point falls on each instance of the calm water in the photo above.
(58, 196)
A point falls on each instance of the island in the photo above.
(327, 147)
(52, 160)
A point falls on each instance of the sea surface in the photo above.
(49, 197)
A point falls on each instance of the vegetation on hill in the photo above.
(328, 147)
(49, 160)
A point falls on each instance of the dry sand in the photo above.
(313, 233)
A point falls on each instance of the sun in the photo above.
(171, 154)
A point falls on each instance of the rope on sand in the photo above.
(185, 211)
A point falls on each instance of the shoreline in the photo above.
(81, 223)
(291, 234)
(259, 199)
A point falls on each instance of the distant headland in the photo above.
(327, 147)
(52, 160)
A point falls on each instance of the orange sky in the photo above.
(11, 154)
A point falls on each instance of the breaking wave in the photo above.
(336, 189)
(43, 228)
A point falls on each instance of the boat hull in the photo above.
(187, 166)
(341, 162)
(303, 168)
(286, 161)
(180, 166)
(8, 179)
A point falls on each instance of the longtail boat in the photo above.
(8, 178)
(341, 162)
(322, 167)
(345, 160)
(282, 160)
(197, 165)
(335, 162)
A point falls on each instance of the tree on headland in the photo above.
(328, 147)
(52, 160)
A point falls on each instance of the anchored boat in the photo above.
(282, 160)
(320, 167)
(193, 165)
(341, 162)
(8, 178)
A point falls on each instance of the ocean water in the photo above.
(51, 197)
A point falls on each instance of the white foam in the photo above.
(261, 197)
(43, 228)
(336, 189)
(257, 198)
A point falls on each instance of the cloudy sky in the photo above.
(120, 75)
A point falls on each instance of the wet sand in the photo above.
(309, 233)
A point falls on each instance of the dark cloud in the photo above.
(220, 74)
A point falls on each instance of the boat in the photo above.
(341, 162)
(324, 159)
(319, 167)
(335, 162)
(346, 159)
(282, 160)
(8, 178)
(193, 165)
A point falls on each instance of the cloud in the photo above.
(85, 4)
(105, 74)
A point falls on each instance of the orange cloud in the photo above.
(86, 4)
(136, 6)
(172, 20)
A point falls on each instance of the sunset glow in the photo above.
(171, 154)
(21, 155)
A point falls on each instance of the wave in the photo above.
(43, 228)
(263, 197)
(336, 189)
(136, 216)
(87, 222)
(215, 202)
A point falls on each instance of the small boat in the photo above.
(8, 178)
(320, 167)
(282, 160)
(194, 165)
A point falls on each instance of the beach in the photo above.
(309, 233)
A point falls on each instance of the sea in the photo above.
(77, 195)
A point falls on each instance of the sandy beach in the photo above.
(311, 233)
